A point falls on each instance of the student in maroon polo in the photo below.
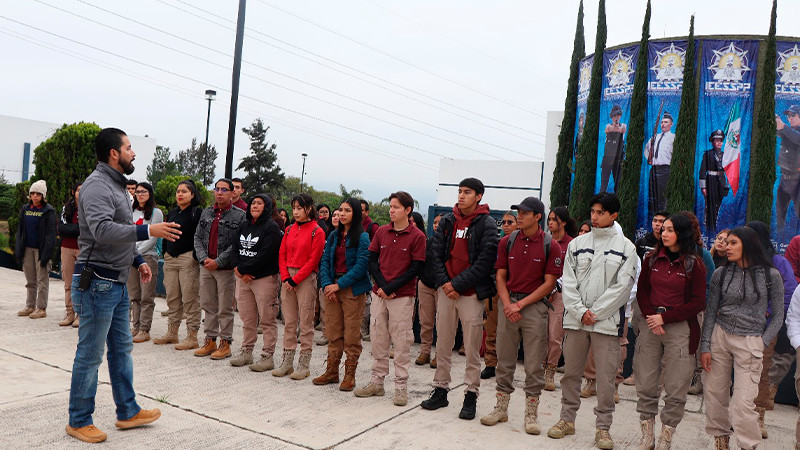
(397, 253)
(526, 275)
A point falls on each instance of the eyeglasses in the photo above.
(509, 222)
(141, 192)
(222, 190)
(790, 114)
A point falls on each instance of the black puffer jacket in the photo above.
(426, 275)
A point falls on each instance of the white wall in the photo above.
(506, 182)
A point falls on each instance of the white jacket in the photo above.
(793, 319)
(599, 274)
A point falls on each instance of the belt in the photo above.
(663, 309)
(713, 173)
(517, 296)
(339, 275)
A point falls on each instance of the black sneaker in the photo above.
(437, 400)
(468, 409)
(487, 373)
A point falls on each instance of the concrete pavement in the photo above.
(210, 404)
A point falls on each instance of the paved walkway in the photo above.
(210, 404)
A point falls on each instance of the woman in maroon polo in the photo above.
(671, 292)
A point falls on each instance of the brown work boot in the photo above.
(773, 389)
(549, 377)
(142, 336)
(589, 389)
(349, 380)
(223, 351)
(89, 433)
(722, 442)
(143, 417)
(761, 412)
(77, 322)
(422, 359)
(25, 312)
(190, 342)
(38, 314)
(69, 317)
(433, 362)
(208, 348)
(170, 337)
(331, 374)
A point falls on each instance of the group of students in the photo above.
(553, 292)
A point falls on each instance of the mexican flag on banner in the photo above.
(731, 152)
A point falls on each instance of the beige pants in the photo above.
(142, 296)
(532, 330)
(555, 329)
(427, 316)
(491, 308)
(68, 258)
(391, 321)
(36, 277)
(589, 372)
(181, 279)
(743, 355)
(216, 298)
(470, 311)
(299, 304)
(258, 305)
(673, 349)
(577, 344)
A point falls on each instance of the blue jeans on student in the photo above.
(103, 310)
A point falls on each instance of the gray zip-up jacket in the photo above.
(105, 220)
(740, 305)
(229, 223)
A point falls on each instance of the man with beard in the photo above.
(107, 244)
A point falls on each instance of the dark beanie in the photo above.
(474, 184)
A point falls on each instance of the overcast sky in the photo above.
(376, 92)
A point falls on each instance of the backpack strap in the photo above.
(511, 238)
(547, 240)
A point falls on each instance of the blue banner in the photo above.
(786, 198)
(727, 77)
(664, 87)
(584, 81)
(618, 70)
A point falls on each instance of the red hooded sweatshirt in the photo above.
(459, 251)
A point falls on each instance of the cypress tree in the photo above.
(559, 189)
(680, 189)
(762, 156)
(632, 166)
(586, 159)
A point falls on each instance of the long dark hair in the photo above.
(306, 202)
(752, 251)
(418, 221)
(687, 244)
(354, 233)
(698, 235)
(570, 227)
(150, 204)
(762, 230)
(193, 189)
(71, 206)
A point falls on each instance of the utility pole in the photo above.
(210, 96)
(303, 173)
(237, 68)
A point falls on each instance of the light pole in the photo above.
(210, 96)
(303, 173)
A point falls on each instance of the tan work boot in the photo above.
(433, 362)
(349, 380)
(722, 442)
(190, 342)
(532, 415)
(549, 377)
(141, 336)
(761, 412)
(331, 374)
(170, 337)
(665, 438)
(25, 312)
(422, 359)
(302, 366)
(603, 439)
(696, 388)
(38, 314)
(561, 429)
(500, 411)
(287, 364)
(223, 351)
(264, 364)
(244, 357)
(208, 348)
(89, 433)
(400, 396)
(69, 317)
(370, 390)
(648, 434)
(589, 389)
(143, 417)
(773, 389)
(77, 322)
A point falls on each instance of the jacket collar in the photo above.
(115, 175)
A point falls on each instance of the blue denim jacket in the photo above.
(357, 260)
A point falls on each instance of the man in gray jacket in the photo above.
(599, 272)
(107, 251)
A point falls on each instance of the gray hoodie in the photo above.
(105, 220)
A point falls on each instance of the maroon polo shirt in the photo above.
(526, 263)
(340, 257)
(396, 250)
(668, 281)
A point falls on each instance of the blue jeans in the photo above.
(103, 310)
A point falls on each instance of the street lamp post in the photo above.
(210, 96)
(303, 173)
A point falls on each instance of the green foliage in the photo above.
(762, 160)
(586, 160)
(162, 166)
(680, 189)
(263, 172)
(378, 211)
(7, 201)
(20, 199)
(165, 192)
(198, 162)
(559, 190)
(632, 166)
